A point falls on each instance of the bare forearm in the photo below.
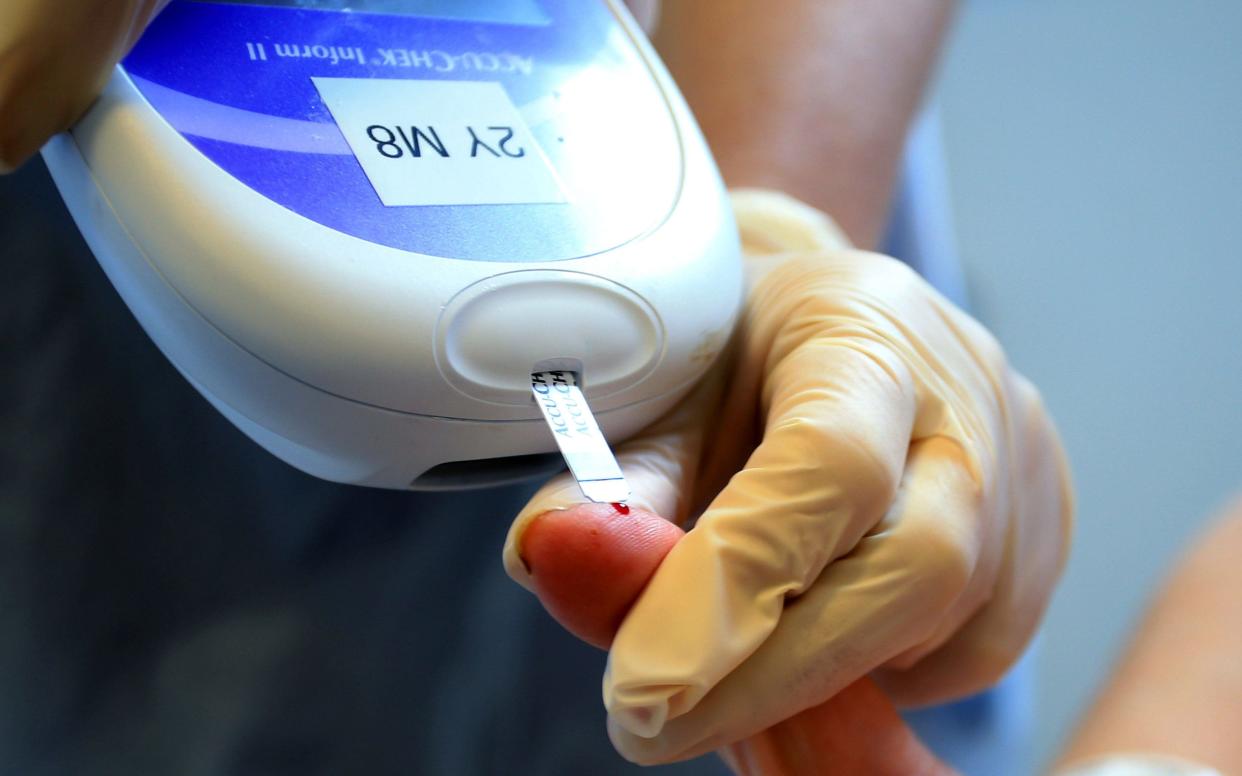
(1179, 689)
(812, 97)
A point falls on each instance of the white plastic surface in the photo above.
(612, 333)
(323, 347)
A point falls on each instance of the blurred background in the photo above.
(1095, 156)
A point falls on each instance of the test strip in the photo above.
(578, 436)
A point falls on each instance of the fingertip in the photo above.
(588, 564)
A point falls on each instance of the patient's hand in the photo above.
(590, 563)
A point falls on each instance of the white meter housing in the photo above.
(358, 226)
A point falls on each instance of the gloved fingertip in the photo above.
(642, 721)
(638, 749)
(642, 710)
(588, 564)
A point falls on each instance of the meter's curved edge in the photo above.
(108, 169)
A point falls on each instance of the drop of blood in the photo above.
(622, 508)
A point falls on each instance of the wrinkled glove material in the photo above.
(873, 490)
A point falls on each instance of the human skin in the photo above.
(809, 97)
(590, 563)
(1178, 690)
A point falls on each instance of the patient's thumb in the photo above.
(588, 564)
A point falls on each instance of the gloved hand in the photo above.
(54, 59)
(883, 495)
(590, 566)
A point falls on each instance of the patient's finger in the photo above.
(589, 563)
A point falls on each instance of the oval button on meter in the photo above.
(403, 210)
(495, 332)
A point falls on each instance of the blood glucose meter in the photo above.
(357, 227)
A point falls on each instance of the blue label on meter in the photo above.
(527, 130)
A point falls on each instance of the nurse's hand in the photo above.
(590, 563)
(883, 496)
(54, 59)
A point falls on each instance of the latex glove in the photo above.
(54, 59)
(589, 566)
(884, 495)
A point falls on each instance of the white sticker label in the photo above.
(440, 142)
